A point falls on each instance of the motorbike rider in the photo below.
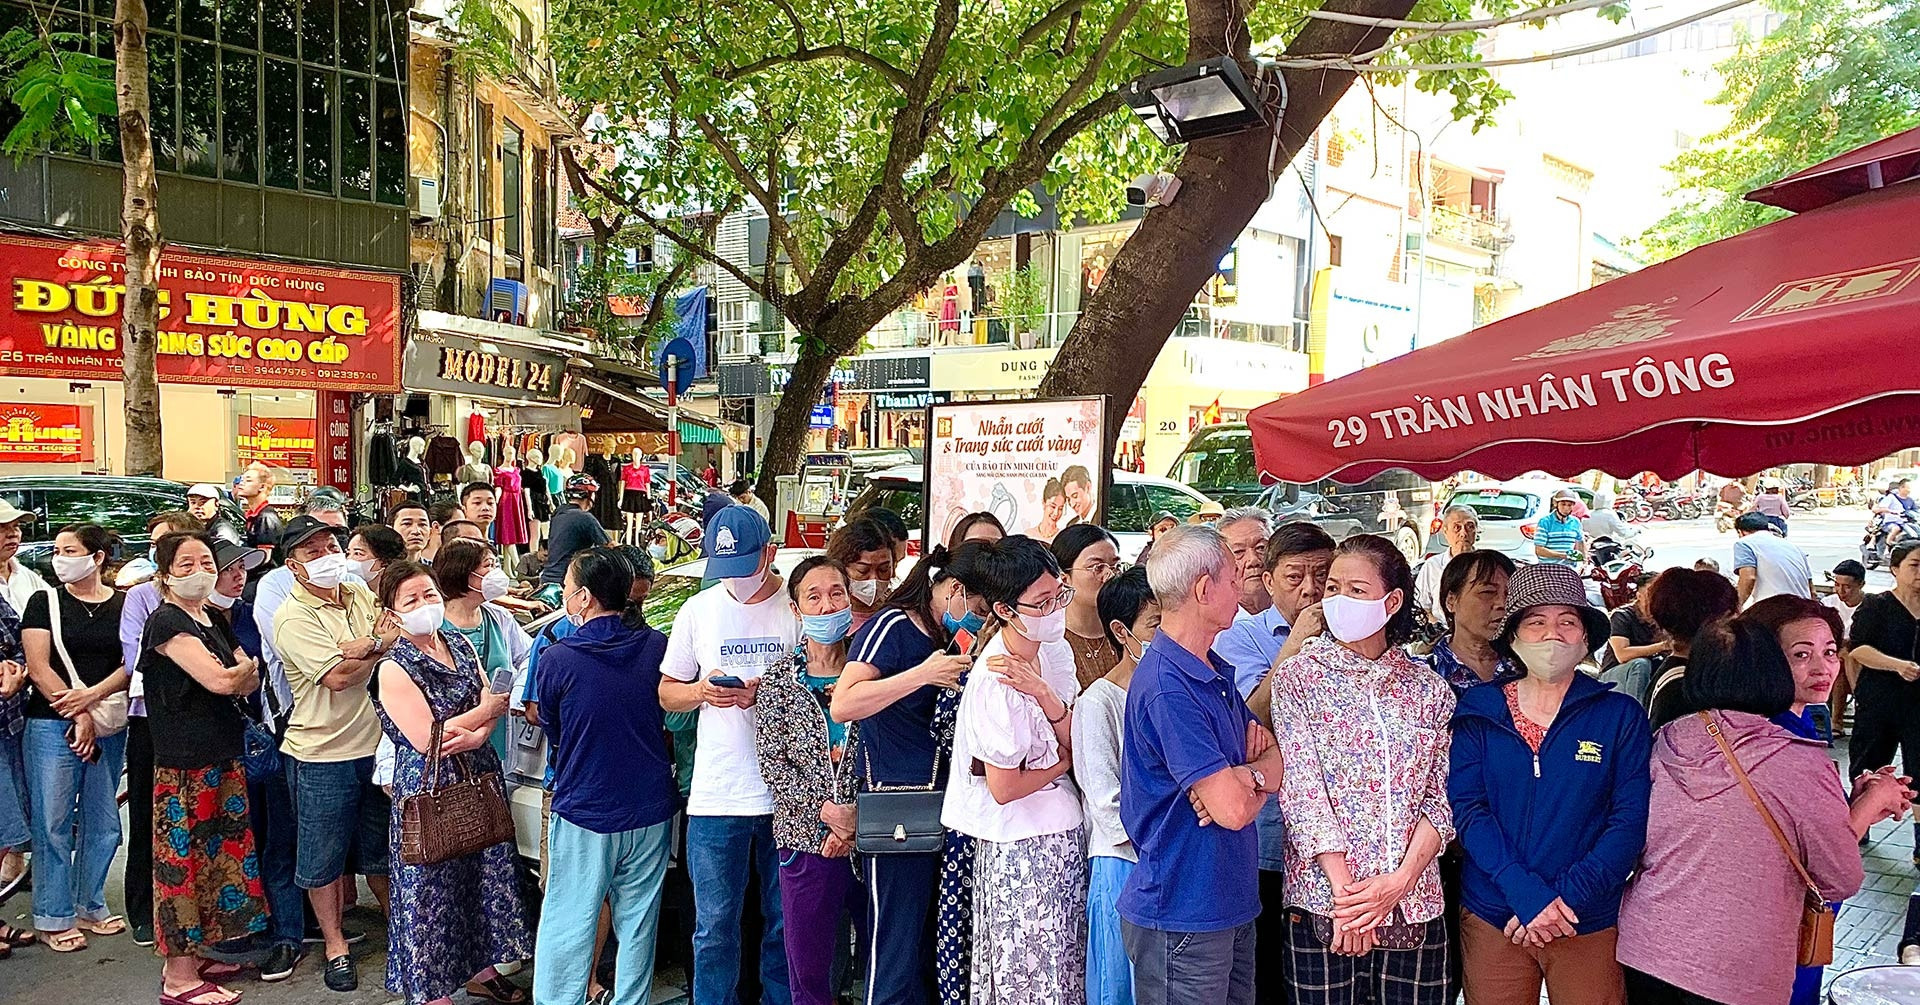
(1894, 509)
(1604, 521)
(1558, 537)
(1772, 504)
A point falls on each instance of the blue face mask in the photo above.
(972, 623)
(827, 629)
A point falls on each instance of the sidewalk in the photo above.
(1867, 932)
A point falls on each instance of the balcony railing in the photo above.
(1481, 232)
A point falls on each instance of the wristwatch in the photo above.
(1259, 780)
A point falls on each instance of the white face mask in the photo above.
(326, 571)
(1550, 660)
(576, 619)
(1045, 628)
(423, 619)
(494, 585)
(867, 591)
(193, 586)
(745, 587)
(362, 567)
(73, 568)
(221, 600)
(1351, 619)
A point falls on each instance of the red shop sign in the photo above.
(286, 443)
(46, 434)
(231, 322)
(336, 440)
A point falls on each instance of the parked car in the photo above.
(1395, 505)
(1131, 506)
(1509, 511)
(120, 504)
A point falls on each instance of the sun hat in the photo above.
(1546, 583)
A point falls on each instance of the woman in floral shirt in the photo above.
(1363, 727)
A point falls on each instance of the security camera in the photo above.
(1153, 190)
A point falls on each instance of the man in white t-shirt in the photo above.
(1765, 565)
(1849, 589)
(722, 641)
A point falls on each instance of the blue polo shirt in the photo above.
(1248, 647)
(1185, 721)
(1559, 535)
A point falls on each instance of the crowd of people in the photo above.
(1023, 773)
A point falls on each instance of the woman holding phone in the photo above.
(74, 661)
(470, 580)
(453, 922)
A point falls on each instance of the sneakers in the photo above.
(354, 936)
(142, 934)
(1910, 956)
(281, 960)
(340, 975)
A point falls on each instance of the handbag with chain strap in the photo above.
(450, 821)
(1816, 915)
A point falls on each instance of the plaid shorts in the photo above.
(1317, 976)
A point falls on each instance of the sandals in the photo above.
(15, 938)
(498, 989)
(605, 997)
(198, 995)
(217, 970)
(70, 941)
(112, 924)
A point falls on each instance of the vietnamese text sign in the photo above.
(1036, 465)
(223, 321)
(277, 442)
(46, 434)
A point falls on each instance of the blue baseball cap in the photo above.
(733, 541)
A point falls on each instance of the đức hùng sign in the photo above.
(230, 322)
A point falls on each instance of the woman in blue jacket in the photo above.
(1549, 788)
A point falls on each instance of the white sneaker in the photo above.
(1910, 956)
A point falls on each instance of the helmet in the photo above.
(1568, 495)
(582, 485)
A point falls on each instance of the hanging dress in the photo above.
(511, 522)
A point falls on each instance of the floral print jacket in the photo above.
(801, 767)
(1365, 743)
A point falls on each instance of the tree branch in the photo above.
(777, 232)
(809, 54)
(1048, 21)
(1085, 78)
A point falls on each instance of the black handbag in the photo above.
(899, 819)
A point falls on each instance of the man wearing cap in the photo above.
(1209, 512)
(572, 530)
(222, 523)
(255, 493)
(1765, 564)
(1558, 537)
(732, 631)
(272, 593)
(17, 582)
(330, 634)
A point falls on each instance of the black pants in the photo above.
(1886, 719)
(1645, 989)
(1270, 933)
(900, 912)
(138, 890)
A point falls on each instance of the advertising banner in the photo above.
(223, 321)
(276, 442)
(438, 361)
(335, 440)
(1037, 466)
(46, 434)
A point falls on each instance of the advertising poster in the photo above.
(276, 441)
(223, 321)
(46, 434)
(1035, 465)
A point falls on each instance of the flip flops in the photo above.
(217, 970)
(15, 938)
(70, 941)
(112, 924)
(498, 989)
(198, 995)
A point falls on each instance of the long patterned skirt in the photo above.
(206, 876)
(1030, 920)
(953, 927)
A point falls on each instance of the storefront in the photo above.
(257, 361)
(869, 403)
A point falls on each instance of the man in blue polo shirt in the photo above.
(1195, 769)
(1558, 537)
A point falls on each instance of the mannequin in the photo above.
(558, 471)
(636, 499)
(476, 469)
(407, 472)
(539, 503)
(510, 522)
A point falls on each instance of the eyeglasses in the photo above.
(1103, 568)
(1049, 605)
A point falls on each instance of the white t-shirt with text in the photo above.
(716, 634)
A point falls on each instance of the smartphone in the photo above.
(502, 680)
(726, 680)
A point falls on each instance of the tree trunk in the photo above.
(1223, 182)
(140, 233)
(787, 440)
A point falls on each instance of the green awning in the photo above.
(691, 433)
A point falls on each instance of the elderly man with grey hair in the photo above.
(1246, 529)
(1460, 525)
(1196, 767)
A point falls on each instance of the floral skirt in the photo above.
(1030, 920)
(206, 875)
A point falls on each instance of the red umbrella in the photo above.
(1793, 342)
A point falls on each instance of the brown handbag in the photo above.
(450, 821)
(1816, 915)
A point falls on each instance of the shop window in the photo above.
(389, 37)
(280, 106)
(390, 145)
(240, 23)
(510, 141)
(316, 31)
(356, 137)
(160, 95)
(239, 116)
(280, 24)
(316, 125)
(356, 35)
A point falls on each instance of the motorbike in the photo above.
(1877, 543)
(1617, 566)
(1689, 505)
(1804, 500)
(1724, 513)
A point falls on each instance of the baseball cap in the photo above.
(225, 553)
(298, 530)
(10, 513)
(734, 539)
(204, 490)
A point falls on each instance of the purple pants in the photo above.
(815, 893)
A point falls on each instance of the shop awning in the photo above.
(613, 392)
(694, 433)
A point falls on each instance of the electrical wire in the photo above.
(1535, 14)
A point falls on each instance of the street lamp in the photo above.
(1198, 100)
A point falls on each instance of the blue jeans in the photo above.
(629, 868)
(723, 853)
(76, 824)
(14, 799)
(1193, 968)
(270, 808)
(341, 820)
(1109, 975)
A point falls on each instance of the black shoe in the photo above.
(281, 960)
(340, 975)
(354, 936)
(143, 935)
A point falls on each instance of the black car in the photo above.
(120, 504)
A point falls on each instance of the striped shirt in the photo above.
(1556, 534)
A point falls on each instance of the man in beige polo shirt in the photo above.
(329, 634)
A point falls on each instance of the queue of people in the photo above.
(1023, 774)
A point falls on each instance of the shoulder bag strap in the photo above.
(1726, 749)
(433, 755)
(60, 644)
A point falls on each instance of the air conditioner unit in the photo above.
(423, 198)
